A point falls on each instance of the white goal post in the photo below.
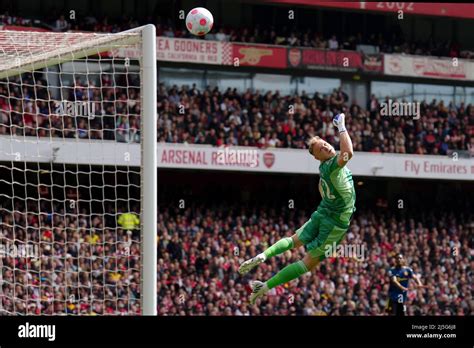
(78, 228)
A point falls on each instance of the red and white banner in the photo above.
(185, 50)
(428, 67)
(248, 159)
(193, 51)
(300, 162)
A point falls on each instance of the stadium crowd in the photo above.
(67, 262)
(211, 116)
(200, 251)
(390, 42)
(269, 119)
(87, 264)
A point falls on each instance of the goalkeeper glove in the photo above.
(338, 121)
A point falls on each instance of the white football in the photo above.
(199, 21)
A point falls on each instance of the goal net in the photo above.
(78, 173)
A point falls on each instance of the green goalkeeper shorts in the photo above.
(319, 234)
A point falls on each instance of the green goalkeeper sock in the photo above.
(288, 273)
(279, 247)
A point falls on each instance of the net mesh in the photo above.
(69, 174)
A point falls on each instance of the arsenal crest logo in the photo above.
(268, 159)
(294, 56)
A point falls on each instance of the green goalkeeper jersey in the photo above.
(337, 192)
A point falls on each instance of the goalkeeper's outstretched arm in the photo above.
(345, 142)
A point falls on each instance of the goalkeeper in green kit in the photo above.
(327, 225)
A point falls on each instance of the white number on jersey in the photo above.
(324, 189)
